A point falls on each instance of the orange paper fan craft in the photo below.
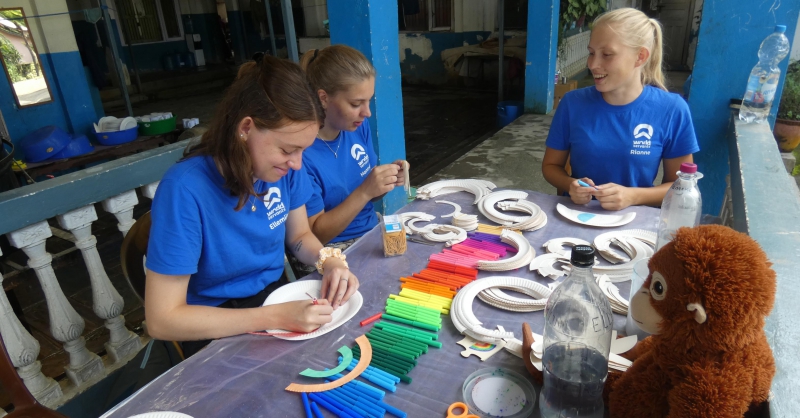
(363, 362)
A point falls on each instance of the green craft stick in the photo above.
(388, 325)
(388, 368)
(396, 348)
(418, 308)
(401, 338)
(347, 357)
(412, 323)
(425, 340)
(398, 363)
(396, 345)
(387, 364)
(387, 347)
(399, 360)
(409, 344)
(411, 316)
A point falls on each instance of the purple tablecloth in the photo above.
(245, 376)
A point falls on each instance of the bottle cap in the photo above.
(780, 28)
(582, 256)
(688, 168)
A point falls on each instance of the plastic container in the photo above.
(682, 205)
(496, 392)
(157, 127)
(640, 273)
(43, 143)
(508, 111)
(79, 145)
(764, 77)
(577, 341)
(118, 137)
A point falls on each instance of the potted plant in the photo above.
(787, 125)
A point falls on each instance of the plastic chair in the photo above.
(25, 405)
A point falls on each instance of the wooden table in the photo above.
(245, 376)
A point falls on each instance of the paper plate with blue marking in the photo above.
(595, 219)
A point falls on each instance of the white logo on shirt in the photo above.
(357, 152)
(643, 130)
(269, 200)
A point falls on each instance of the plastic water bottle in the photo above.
(577, 340)
(682, 205)
(763, 81)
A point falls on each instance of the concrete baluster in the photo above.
(65, 323)
(23, 350)
(121, 206)
(107, 302)
(149, 190)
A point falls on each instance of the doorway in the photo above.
(676, 18)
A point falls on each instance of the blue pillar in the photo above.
(540, 58)
(370, 26)
(727, 49)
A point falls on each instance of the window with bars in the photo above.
(145, 21)
(425, 15)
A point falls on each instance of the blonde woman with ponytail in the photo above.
(617, 132)
(342, 164)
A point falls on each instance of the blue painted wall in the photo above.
(727, 49)
(542, 51)
(371, 27)
(72, 108)
(416, 69)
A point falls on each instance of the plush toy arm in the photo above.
(641, 347)
(712, 391)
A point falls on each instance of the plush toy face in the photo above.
(708, 277)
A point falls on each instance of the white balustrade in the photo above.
(65, 323)
(149, 190)
(121, 206)
(107, 302)
(23, 350)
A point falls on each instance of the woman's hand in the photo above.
(302, 315)
(381, 180)
(338, 283)
(581, 195)
(401, 174)
(615, 197)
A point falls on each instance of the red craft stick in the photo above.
(452, 268)
(371, 319)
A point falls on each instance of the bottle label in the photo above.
(761, 90)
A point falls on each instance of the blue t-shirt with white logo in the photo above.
(622, 144)
(336, 168)
(196, 231)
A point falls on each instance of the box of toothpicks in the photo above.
(394, 236)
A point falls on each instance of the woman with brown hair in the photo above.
(341, 162)
(224, 214)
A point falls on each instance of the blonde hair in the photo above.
(336, 68)
(638, 31)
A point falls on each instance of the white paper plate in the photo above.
(163, 414)
(593, 219)
(297, 291)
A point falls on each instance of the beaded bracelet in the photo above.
(327, 252)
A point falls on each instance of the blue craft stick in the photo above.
(325, 404)
(360, 390)
(392, 410)
(317, 412)
(384, 383)
(377, 393)
(585, 184)
(375, 371)
(344, 411)
(306, 406)
(368, 404)
(346, 403)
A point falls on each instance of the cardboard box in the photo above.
(562, 89)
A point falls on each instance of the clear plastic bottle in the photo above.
(763, 81)
(682, 205)
(577, 340)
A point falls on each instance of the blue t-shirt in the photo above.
(334, 178)
(196, 231)
(622, 144)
